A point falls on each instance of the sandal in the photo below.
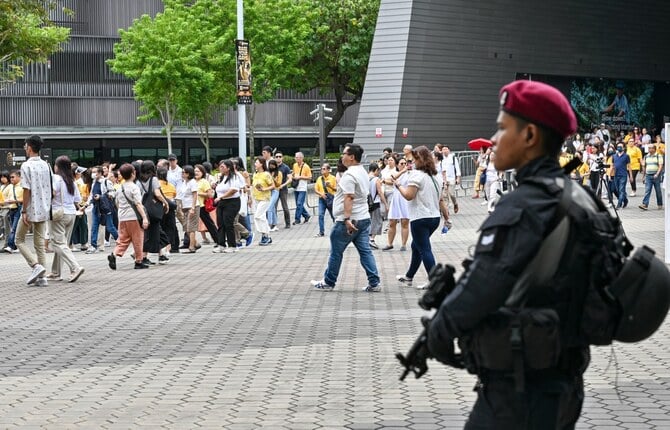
(54, 277)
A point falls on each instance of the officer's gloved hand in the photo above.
(442, 349)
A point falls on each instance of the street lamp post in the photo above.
(241, 108)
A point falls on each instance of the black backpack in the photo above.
(624, 298)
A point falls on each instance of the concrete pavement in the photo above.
(240, 341)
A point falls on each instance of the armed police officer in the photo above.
(521, 385)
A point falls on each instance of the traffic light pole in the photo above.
(320, 112)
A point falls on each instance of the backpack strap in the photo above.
(545, 263)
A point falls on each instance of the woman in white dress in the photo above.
(398, 210)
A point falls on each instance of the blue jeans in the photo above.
(339, 240)
(649, 182)
(421, 230)
(272, 210)
(109, 226)
(322, 213)
(14, 217)
(300, 210)
(620, 183)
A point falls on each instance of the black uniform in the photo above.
(510, 238)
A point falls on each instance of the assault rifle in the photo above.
(441, 283)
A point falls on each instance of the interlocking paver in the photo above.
(240, 341)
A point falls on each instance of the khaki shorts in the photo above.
(191, 219)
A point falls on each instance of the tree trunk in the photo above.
(340, 108)
(168, 121)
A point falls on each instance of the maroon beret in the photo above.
(540, 104)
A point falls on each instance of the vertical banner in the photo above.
(243, 72)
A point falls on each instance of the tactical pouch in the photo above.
(518, 340)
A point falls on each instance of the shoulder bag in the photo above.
(329, 196)
(296, 182)
(152, 207)
(133, 205)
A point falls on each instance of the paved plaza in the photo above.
(240, 341)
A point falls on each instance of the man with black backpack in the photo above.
(513, 311)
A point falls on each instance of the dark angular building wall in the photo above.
(436, 66)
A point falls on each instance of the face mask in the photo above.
(610, 152)
(94, 175)
(619, 150)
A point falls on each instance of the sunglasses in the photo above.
(278, 156)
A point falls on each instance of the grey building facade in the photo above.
(436, 66)
(85, 110)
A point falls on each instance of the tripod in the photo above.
(602, 182)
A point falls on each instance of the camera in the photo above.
(600, 163)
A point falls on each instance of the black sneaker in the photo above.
(141, 266)
(148, 262)
(307, 219)
(296, 222)
(287, 226)
(162, 259)
(111, 258)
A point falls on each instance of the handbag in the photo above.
(296, 182)
(209, 204)
(329, 197)
(152, 207)
(172, 205)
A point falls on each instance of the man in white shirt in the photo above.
(451, 176)
(352, 222)
(37, 192)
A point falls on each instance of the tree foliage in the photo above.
(183, 60)
(337, 52)
(26, 35)
(164, 56)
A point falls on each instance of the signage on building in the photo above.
(243, 72)
(404, 132)
(378, 132)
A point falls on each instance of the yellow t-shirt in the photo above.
(660, 148)
(279, 179)
(565, 159)
(302, 171)
(264, 179)
(8, 194)
(168, 190)
(331, 184)
(635, 157)
(203, 187)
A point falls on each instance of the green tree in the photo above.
(26, 35)
(183, 61)
(337, 52)
(165, 59)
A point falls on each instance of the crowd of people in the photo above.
(213, 204)
(611, 163)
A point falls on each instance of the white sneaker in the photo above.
(216, 249)
(422, 286)
(274, 228)
(229, 250)
(38, 272)
(106, 244)
(7, 249)
(632, 194)
(42, 282)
